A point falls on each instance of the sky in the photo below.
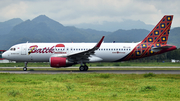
(74, 12)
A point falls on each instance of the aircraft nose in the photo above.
(4, 55)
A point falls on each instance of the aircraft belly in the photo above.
(110, 57)
(40, 57)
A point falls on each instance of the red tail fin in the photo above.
(155, 40)
(159, 35)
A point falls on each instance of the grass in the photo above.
(148, 88)
(134, 64)
(13, 93)
(119, 64)
(77, 69)
(149, 75)
(21, 64)
(93, 87)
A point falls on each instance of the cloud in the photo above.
(13, 10)
(73, 12)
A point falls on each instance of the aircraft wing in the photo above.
(84, 55)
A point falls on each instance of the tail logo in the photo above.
(156, 38)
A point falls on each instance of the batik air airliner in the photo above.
(68, 54)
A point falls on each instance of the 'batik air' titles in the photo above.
(34, 49)
(58, 49)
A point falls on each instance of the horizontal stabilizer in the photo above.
(157, 49)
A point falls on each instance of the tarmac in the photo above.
(91, 71)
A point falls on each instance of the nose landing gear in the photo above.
(25, 67)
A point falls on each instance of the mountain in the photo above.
(54, 25)
(174, 37)
(44, 29)
(6, 27)
(113, 26)
(133, 35)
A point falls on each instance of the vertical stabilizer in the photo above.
(155, 42)
(159, 35)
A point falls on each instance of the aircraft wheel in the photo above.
(24, 69)
(86, 68)
(81, 68)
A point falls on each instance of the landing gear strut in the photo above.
(83, 68)
(25, 67)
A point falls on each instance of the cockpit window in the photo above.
(12, 49)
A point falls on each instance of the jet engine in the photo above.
(59, 62)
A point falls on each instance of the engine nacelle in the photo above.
(59, 62)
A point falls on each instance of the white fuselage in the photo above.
(108, 52)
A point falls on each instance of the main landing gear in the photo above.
(25, 67)
(83, 68)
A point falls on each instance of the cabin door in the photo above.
(23, 50)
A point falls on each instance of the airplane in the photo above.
(67, 54)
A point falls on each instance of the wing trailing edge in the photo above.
(84, 55)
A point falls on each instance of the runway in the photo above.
(32, 70)
(95, 71)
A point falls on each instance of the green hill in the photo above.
(44, 29)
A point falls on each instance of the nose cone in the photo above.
(4, 55)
